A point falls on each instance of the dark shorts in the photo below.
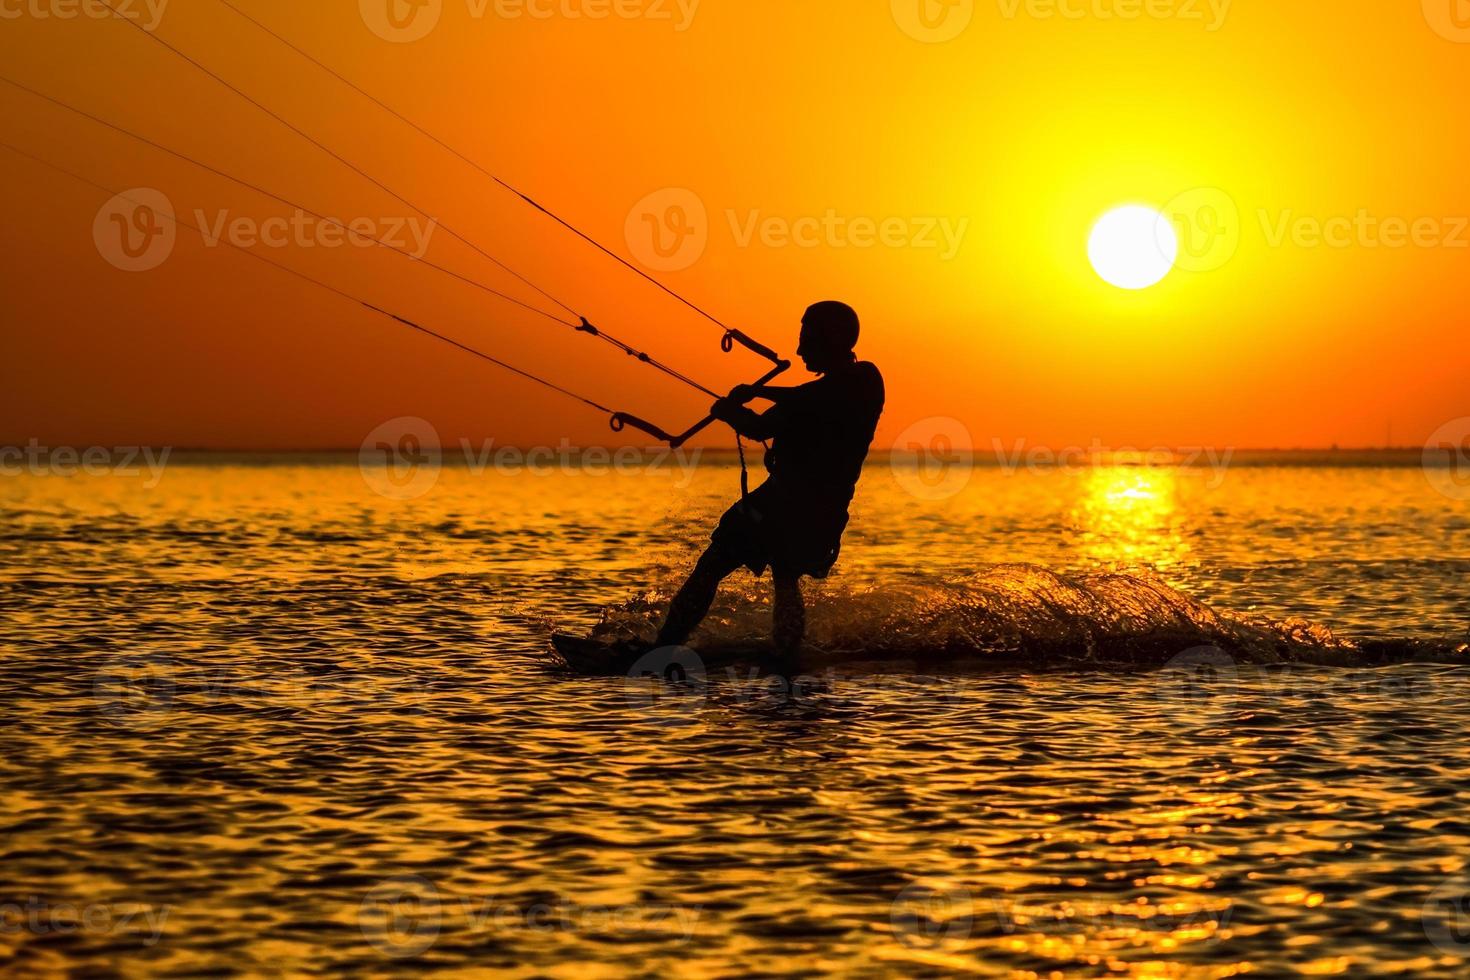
(792, 534)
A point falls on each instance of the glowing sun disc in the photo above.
(1133, 247)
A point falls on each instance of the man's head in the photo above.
(829, 332)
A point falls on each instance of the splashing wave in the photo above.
(1017, 614)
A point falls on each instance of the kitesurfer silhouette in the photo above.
(820, 433)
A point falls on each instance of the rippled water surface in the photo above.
(262, 719)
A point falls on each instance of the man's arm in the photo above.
(751, 425)
(741, 394)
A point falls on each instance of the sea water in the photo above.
(293, 715)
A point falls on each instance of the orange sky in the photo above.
(985, 159)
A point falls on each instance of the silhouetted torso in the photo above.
(820, 435)
(823, 430)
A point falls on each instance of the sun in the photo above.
(1133, 247)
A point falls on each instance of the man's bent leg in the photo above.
(788, 614)
(692, 602)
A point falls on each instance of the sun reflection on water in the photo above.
(1130, 516)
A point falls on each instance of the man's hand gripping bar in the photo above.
(622, 420)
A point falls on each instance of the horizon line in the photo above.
(717, 450)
